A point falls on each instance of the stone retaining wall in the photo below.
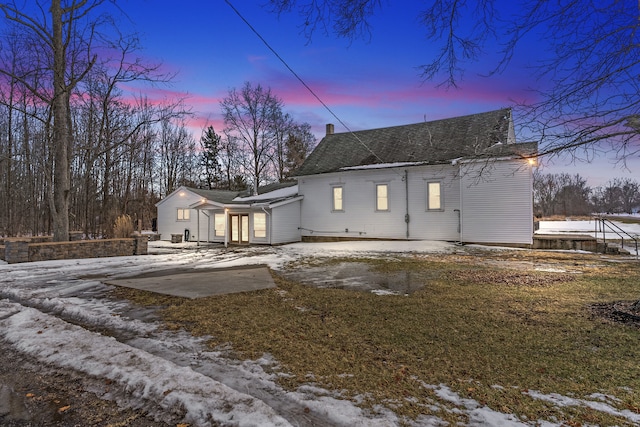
(24, 250)
(576, 242)
(36, 239)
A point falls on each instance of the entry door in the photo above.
(240, 229)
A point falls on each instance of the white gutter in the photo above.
(208, 227)
(270, 225)
(226, 227)
(284, 202)
(406, 187)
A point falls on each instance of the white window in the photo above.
(184, 214)
(235, 222)
(218, 224)
(259, 225)
(434, 196)
(382, 200)
(337, 199)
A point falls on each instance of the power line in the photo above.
(302, 81)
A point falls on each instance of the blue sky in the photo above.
(366, 83)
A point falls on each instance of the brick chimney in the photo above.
(329, 128)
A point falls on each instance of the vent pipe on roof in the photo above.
(329, 128)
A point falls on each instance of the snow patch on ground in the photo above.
(168, 372)
(560, 400)
(590, 227)
(146, 378)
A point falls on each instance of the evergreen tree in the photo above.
(298, 145)
(211, 168)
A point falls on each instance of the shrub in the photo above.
(123, 227)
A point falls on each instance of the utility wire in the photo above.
(302, 81)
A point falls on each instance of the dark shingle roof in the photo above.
(438, 141)
(276, 186)
(220, 196)
(226, 196)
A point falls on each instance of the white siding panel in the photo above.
(360, 218)
(168, 223)
(285, 223)
(434, 225)
(252, 229)
(209, 235)
(497, 202)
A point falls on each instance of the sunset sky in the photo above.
(367, 83)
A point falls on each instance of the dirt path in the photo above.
(35, 395)
(128, 361)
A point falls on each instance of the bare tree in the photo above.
(283, 126)
(561, 194)
(587, 99)
(607, 198)
(630, 194)
(250, 114)
(8, 95)
(300, 141)
(178, 159)
(545, 189)
(574, 196)
(230, 157)
(620, 195)
(70, 59)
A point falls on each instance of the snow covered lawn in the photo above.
(590, 227)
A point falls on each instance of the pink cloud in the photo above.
(257, 58)
(383, 92)
(199, 122)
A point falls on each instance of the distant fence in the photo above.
(18, 249)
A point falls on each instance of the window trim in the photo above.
(333, 198)
(386, 197)
(264, 230)
(440, 208)
(180, 213)
(222, 230)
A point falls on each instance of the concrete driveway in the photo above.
(198, 283)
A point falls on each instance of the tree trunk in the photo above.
(61, 132)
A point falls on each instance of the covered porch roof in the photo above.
(273, 198)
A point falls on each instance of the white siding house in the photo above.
(383, 203)
(271, 217)
(497, 202)
(175, 214)
(463, 179)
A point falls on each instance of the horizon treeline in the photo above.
(570, 195)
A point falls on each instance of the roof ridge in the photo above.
(427, 122)
(438, 141)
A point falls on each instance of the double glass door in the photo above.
(239, 229)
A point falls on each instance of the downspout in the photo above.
(406, 189)
(208, 226)
(198, 228)
(270, 225)
(226, 228)
(460, 223)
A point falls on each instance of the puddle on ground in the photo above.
(358, 276)
(12, 405)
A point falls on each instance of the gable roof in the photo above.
(221, 196)
(224, 196)
(272, 194)
(480, 135)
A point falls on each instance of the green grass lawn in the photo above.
(487, 325)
